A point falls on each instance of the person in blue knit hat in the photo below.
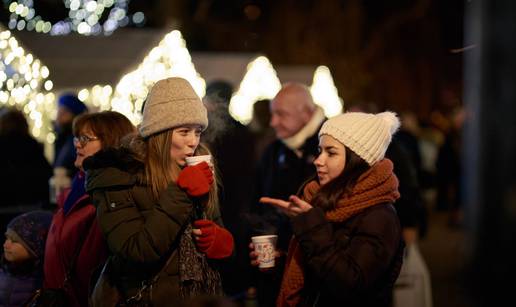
(21, 271)
(68, 107)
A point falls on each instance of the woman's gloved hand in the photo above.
(213, 240)
(196, 179)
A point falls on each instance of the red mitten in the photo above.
(215, 241)
(196, 179)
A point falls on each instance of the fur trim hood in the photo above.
(116, 167)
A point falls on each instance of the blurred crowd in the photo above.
(63, 221)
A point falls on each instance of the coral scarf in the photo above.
(376, 186)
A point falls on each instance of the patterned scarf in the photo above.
(376, 186)
(195, 274)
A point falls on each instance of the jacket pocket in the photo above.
(118, 200)
(116, 210)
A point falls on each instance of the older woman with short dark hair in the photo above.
(75, 247)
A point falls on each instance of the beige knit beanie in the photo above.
(171, 103)
(366, 134)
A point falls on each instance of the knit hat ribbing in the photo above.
(31, 230)
(171, 103)
(368, 135)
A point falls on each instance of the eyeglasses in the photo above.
(84, 139)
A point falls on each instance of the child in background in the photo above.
(21, 271)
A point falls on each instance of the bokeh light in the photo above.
(83, 17)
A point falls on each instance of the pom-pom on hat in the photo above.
(366, 134)
(72, 103)
(30, 230)
(171, 103)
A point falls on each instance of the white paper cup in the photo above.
(265, 246)
(194, 160)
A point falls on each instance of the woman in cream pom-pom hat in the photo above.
(347, 247)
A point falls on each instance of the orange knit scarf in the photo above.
(377, 185)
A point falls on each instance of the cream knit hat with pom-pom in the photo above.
(366, 134)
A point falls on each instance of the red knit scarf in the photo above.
(377, 185)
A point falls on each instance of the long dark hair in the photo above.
(342, 185)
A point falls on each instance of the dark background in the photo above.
(398, 54)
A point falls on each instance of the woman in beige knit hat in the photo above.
(159, 215)
(347, 247)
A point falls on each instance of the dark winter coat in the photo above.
(24, 174)
(280, 173)
(371, 249)
(64, 150)
(232, 146)
(16, 288)
(141, 233)
(409, 206)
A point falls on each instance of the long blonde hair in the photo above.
(161, 169)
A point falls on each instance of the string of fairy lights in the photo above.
(259, 82)
(169, 58)
(84, 17)
(25, 83)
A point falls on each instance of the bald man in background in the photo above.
(286, 163)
